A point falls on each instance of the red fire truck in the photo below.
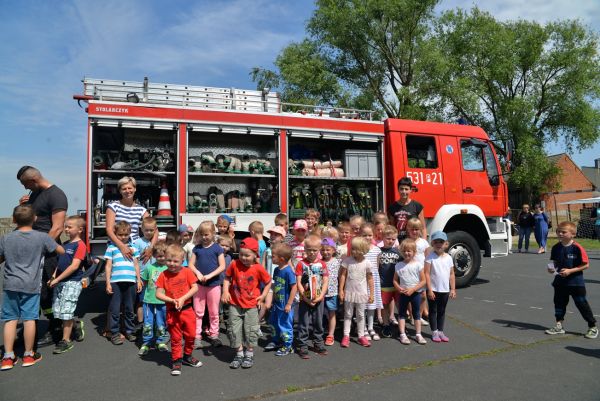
(198, 152)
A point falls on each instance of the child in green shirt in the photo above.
(155, 311)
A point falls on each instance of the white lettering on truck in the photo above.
(419, 178)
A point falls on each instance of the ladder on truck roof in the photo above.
(181, 95)
(207, 97)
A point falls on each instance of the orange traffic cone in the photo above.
(164, 205)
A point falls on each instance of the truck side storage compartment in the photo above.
(140, 150)
(232, 172)
(337, 176)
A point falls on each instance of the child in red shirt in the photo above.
(241, 290)
(176, 286)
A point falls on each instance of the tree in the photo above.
(303, 77)
(363, 53)
(522, 82)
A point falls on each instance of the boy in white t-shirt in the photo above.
(439, 275)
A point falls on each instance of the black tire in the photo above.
(466, 255)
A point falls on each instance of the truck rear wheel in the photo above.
(466, 255)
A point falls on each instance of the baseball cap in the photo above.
(249, 243)
(328, 242)
(439, 235)
(300, 225)
(277, 230)
(185, 228)
(226, 217)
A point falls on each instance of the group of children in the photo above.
(363, 269)
(358, 268)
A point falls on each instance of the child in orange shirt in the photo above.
(176, 286)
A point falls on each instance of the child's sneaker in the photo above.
(78, 331)
(248, 361)
(424, 322)
(116, 339)
(31, 360)
(435, 337)
(364, 341)
(270, 346)
(191, 361)
(345, 343)
(321, 350)
(592, 332)
(176, 369)
(283, 351)
(62, 347)
(420, 340)
(374, 335)
(9, 363)
(386, 331)
(130, 337)
(443, 337)
(303, 353)
(162, 347)
(558, 329)
(329, 340)
(215, 342)
(144, 349)
(404, 339)
(237, 362)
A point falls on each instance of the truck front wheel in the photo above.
(466, 255)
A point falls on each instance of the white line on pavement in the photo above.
(487, 300)
(509, 304)
(535, 307)
(468, 298)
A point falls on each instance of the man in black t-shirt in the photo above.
(405, 208)
(50, 205)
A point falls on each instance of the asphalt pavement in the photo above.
(497, 351)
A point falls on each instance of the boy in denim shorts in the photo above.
(66, 280)
(23, 250)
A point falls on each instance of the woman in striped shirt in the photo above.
(126, 209)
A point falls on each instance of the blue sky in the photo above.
(48, 46)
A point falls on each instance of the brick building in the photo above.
(572, 184)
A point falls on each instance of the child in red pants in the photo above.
(176, 286)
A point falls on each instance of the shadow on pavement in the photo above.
(520, 325)
(594, 353)
(589, 281)
(479, 281)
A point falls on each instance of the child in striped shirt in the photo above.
(122, 283)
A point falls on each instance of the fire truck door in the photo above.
(480, 181)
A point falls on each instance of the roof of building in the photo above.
(592, 174)
(555, 158)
